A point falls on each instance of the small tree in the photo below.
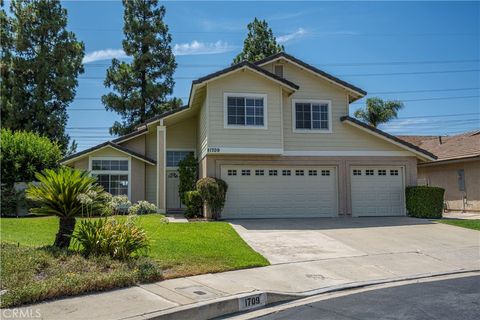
(378, 111)
(213, 192)
(260, 43)
(61, 193)
(188, 172)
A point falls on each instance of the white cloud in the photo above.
(291, 36)
(195, 47)
(106, 54)
(404, 126)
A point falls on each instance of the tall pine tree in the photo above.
(260, 43)
(142, 86)
(40, 63)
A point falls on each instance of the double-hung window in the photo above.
(311, 116)
(175, 156)
(245, 110)
(112, 174)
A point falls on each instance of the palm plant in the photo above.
(61, 192)
(378, 111)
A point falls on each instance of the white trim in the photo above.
(226, 95)
(350, 153)
(222, 150)
(312, 101)
(281, 117)
(106, 146)
(315, 73)
(401, 145)
(114, 172)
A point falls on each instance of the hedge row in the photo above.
(424, 202)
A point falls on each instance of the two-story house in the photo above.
(279, 133)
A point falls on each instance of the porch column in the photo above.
(161, 167)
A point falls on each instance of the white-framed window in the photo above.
(299, 173)
(112, 173)
(394, 172)
(286, 173)
(245, 110)
(311, 116)
(232, 172)
(272, 172)
(245, 172)
(325, 172)
(357, 172)
(259, 172)
(369, 172)
(312, 172)
(175, 156)
(382, 172)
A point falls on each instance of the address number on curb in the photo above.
(251, 302)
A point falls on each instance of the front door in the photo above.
(173, 198)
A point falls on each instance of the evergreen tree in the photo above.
(40, 63)
(260, 43)
(141, 87)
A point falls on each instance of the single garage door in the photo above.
(377, 191)
(279, 192)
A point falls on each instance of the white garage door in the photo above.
(280, 192)
(377, 191)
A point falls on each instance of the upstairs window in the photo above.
(311, 116)
(245, 110)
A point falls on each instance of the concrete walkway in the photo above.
(449, 250)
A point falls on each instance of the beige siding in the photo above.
(137, 180)
(446, 176)
(81, 164)
(183, 135)
(343, 137)
(243, 82)
(136, 144)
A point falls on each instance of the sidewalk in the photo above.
(213, 295)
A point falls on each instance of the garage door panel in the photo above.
(257, 196)
(377, 191)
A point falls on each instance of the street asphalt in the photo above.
(452, 299)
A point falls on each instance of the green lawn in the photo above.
(178, 249)
(470, 224)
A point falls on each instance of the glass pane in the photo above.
(96, 164)
(240, 101)
(250, 111)
(259, 102)
(105, 165)
(250, 102)
(250, 120)
(316, 124)
(259, 121)
(114, 165)
(231, 101)
(231, 120)
(259, 111)
(124, 165)
(324, 124)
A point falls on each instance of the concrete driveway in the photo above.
(300, 240)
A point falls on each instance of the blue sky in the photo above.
(435, 46)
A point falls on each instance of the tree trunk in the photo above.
(65, 231)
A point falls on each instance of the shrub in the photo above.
(66, 193)
(120, 204)
(424, 202)
(9, 199)
(194, 204)
(213, 192)
(22, 154)
(187, 171)
(107, 236)
(142, 207)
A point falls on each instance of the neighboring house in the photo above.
(457, 168)
(278, 132)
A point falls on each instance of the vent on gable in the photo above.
(278, 70)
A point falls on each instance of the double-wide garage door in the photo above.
(280, 192)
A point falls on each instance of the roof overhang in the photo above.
(356, 92)
(106, 145)
(422, 154)
(450, 160)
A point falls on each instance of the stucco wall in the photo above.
(183, 135)
(446, 176)
(342, 165)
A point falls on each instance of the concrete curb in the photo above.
(233, 304)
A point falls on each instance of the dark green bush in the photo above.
(213, 192)
(188, 173)
(8, 201)
(194, 204)
(424, 202)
